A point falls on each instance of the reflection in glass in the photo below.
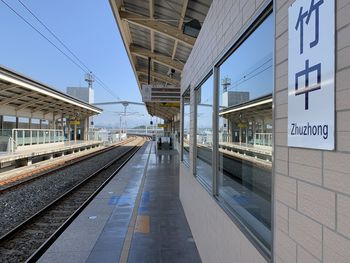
(186, 126)
(204, 140)
(245, 131)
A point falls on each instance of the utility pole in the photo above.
(120, 127)
(125, 104)
(89, 78)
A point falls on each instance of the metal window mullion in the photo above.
(273, 209)
(215, 124)
(194, 133)
(182, 128)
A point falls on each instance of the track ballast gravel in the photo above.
(24, 201)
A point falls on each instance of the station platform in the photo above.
(249, 151)
(137, 217)
(267, 150)
(26, 155)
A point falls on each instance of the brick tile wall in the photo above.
(313, 187)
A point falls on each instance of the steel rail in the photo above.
(37, 254)
(66, 164)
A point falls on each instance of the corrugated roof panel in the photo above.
(140, 36)
(137, 6)
(143, 78)
(142, 63)
(168, 11)
(198, 9)
(163, 44)
(182, 52)
(160, 68)
(164, 70)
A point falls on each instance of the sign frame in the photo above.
(311, 74)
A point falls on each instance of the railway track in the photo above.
(29, 240)
(10, 184)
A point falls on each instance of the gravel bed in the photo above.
(21, 203)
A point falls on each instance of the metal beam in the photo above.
(151, 16)
(160, 27)
(160, 77)
(46, 105)
(14, 98)
(181, 20)
(119, 102)
(160, 113)
(8, 87)
(30, 103)
(161, 59)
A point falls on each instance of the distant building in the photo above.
(85, 94)
(82, 93)
(231, 98)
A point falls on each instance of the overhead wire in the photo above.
(29, 24)
(99, 81)
(54, 35)
(246, 77)
(82, 66)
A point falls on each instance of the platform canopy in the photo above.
(259, 107)
(153, 31)
(24, 97)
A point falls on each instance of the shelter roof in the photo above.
(24, 97)
(154, 29)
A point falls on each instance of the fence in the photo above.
(24, 137)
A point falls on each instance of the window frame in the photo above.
(254, 23)
(266, 9)
(194, 159)
(187, 91)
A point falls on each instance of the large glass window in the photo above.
(245, 131)
(204, 124)
(186, 126)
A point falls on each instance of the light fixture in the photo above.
(192, 28)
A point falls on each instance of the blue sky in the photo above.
(88, 28)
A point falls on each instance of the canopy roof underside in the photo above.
(23, 97)
(154, 29)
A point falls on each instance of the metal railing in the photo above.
(5, 134)
(263, 139)
(23, 137)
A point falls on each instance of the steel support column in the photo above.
(75, 132)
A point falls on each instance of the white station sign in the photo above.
(311, 74)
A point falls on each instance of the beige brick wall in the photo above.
(217, 237)
(312, 188)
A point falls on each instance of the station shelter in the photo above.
(33, 114)
(234, 80)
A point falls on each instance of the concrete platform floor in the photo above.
(137, 217)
